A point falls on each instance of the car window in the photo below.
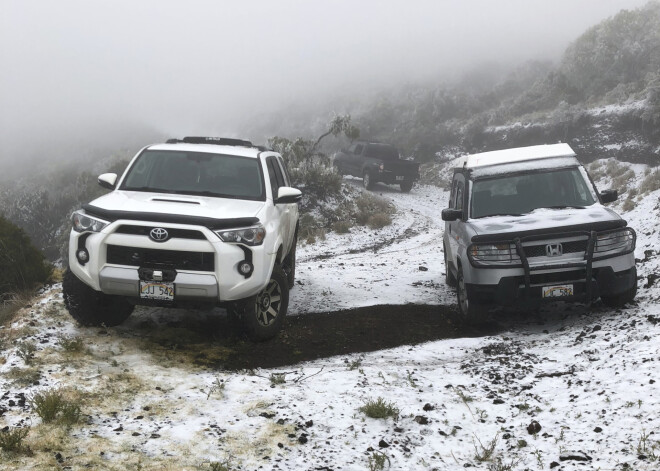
(358, 149)
(275, 183)
(195, 173)
(286, 181)
(458, 200)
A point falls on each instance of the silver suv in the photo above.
(198, 221)
(527, 225)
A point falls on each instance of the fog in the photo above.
(115, 71)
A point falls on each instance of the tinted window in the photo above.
(196, 173)
(523, 193)
(382, 151)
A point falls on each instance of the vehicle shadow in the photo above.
(210, 340)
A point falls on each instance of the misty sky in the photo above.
(199, 66)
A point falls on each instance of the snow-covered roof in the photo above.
(209, 148)
(519, 154)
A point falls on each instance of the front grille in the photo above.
(574, 246)
(139, 257)
(173, 233)
(556, 277)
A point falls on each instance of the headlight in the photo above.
(85, 223)
(254, 235)
(493, 254)
(615, 242)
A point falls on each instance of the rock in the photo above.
(398, 429)
(302, 439)
(118, 429)
(598, 430)
(309, 423)
(554, 464)
(267, 415)
(575, 456)
(498, 401)
(533, 427)
(383, 444)
(428, 407)
(421, 420)
(421, 268)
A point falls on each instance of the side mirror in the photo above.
(450, 214)
(108, 180)
(287, 195)
(608, 196)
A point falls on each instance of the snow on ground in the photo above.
(398, 264)
(565, 388)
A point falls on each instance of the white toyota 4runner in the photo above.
(527, 225)
(193, 222)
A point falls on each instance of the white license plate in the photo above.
(160, 290)
(399, 178)
(557, 291)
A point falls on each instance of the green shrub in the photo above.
(651, 182)
(21, 264)
(369, 205)
(11, 440)
(379, 409)
(379, 220)
(52, 406)
(342, 227)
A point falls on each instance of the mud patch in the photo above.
(211, 341)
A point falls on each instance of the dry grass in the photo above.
(11, 303)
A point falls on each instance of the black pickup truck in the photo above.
(376, 162)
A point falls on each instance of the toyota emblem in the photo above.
(158, 234)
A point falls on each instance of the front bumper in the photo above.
(512, 290)
(210, 276)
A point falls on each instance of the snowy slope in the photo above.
(588, 377)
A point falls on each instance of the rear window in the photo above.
(382, 151)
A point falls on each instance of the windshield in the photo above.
(523, 193)
(196, 173)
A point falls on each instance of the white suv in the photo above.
(527, 225)
(193, 222)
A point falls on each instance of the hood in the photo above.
(545, 220)
(184, 205)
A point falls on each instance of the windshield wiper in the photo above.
(148, 188)
(564, 206)
(499, 214)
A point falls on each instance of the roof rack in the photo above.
(221, 141)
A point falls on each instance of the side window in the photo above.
(351, 149)
(458, 201)
(272, 175)
(286, 181)
(358, 149)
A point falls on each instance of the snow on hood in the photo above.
(202, 206)
(543, 218)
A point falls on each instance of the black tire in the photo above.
(261, 315)
(622, 299)
(289, 264)
(406, 186)
(450, 279)
(472, 312)
(367, 180)
(93, 308)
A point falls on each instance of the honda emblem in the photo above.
(554, 250)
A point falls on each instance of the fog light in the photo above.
(245, 268)
(83, 256)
